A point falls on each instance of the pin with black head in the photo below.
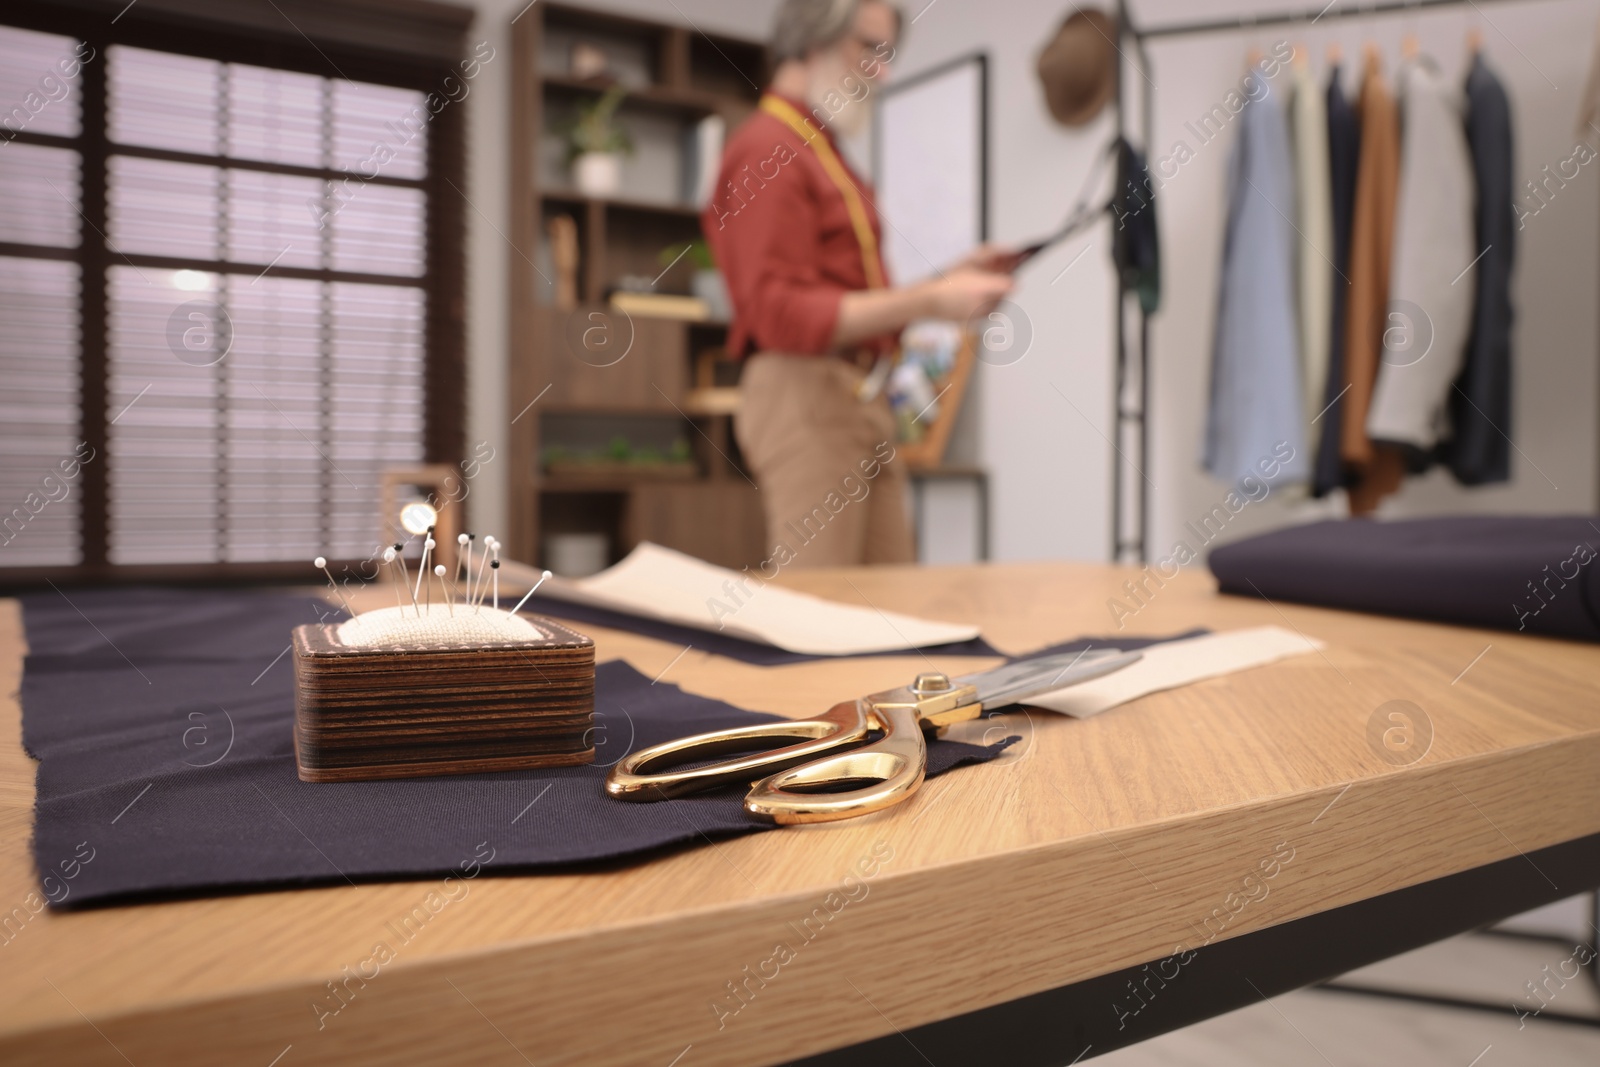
(405, 577)
(471, 540)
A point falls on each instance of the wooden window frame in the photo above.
(167, 27)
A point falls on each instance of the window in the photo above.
(229, 297)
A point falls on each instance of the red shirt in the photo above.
(781, 234)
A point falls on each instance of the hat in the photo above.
(1078, 68)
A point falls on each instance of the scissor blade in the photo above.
(1017, 681)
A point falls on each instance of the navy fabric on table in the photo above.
(162, 720)
(721, 644)
(1535, 574)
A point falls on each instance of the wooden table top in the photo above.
(1092, 846)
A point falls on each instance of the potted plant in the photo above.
(596, 143)
(707, 282)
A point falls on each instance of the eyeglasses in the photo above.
(875, 47)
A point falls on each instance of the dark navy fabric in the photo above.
(163, 719)
(1534, 574)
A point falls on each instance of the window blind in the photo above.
(39, 303)
(268, 291)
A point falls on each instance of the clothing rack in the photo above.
(1335, 10)
(1130, 532)
(1133, 536)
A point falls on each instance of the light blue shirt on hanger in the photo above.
(1257, 402)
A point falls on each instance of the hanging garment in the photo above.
(1589, 100)
(1257, 404)
(1314, 251)
(1371, 245)
(1135, 239)
(1344, 151)
(1431, 285)
(1480, 402)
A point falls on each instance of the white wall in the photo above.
(1042, 425)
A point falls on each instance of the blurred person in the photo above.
(797, 235)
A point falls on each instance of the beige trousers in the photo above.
(832, 486)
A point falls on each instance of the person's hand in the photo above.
(995, 258)
(965, 294)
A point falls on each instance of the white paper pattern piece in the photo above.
(1176, 663)
(658, 583)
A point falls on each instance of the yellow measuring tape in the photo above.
(834, 167)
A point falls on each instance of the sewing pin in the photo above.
(438, 571)
(321, 563)
(422, 570)
(405, 578)
(490, 545)
(477, 601)
(542, 578)
(388, 557)
(422, 567)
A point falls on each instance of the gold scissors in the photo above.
(809, 780)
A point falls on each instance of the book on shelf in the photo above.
(661, 306)
(702, 156)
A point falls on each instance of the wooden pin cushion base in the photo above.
(433, 708)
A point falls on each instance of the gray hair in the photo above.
(803, 26)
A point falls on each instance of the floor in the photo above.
(1321, 1027)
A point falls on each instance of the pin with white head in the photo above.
(493, 549)
(321, 563)
(388, 557)
(438, 572)
(463, 555)
(542, 579)
(422, 571)
(418, 519)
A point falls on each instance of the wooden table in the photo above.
(1093, 847)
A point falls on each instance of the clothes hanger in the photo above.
(1336, 50)
(1372, 56)
(1253, 53)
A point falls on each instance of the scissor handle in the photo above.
(632, 778)
(894, 765)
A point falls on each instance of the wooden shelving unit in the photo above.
(675, 77)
